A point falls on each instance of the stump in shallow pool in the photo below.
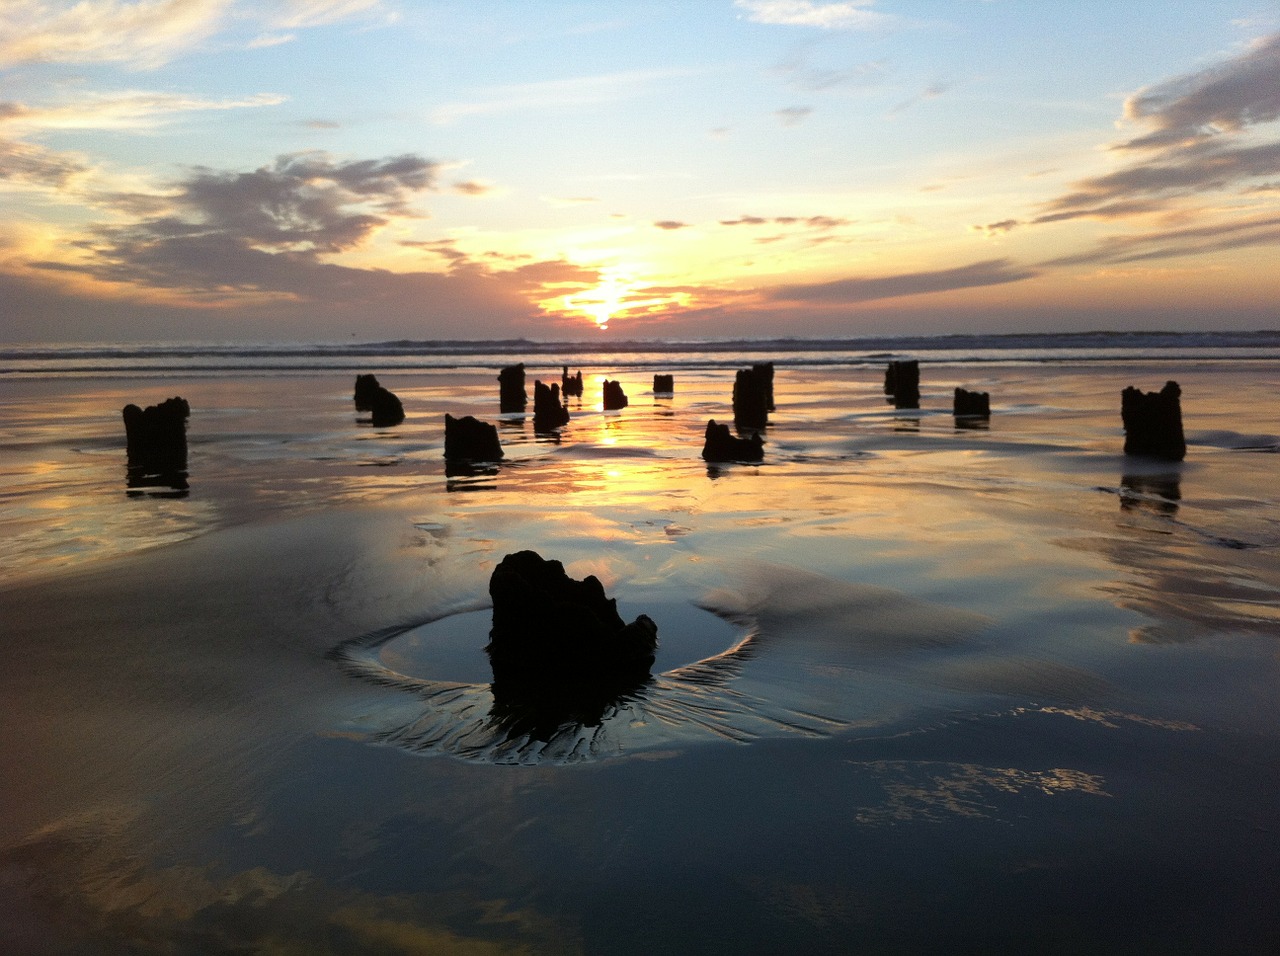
(753, 396)
(1153, 422)
(511, 393)
(902, 383)
(469, 439)
(156, 444)
(555, 638)
(719, 445)
(570, 384)
(971, 404)
(548, 408)
(614, 397)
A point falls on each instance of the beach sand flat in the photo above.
(922, 685)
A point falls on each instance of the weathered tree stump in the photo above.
(720, 445)
(902, 383)
(752, 390)
(971, 404)
(570, 384)
(511, 393)
(1153, 422)
(469, 439)
(614, 397)
(548, 409)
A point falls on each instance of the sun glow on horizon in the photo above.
(618, 296)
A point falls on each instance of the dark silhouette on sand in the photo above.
(902, 383)
(559, 650)
(511, 393)
(614, 397)
(549, 412)
(664, 385)
(971, 404)
(469, 439)
(366, 386)
(1153, 423)
(156, 443)
(753, 396)
(720, 445)
(570, 384)
(370, 396)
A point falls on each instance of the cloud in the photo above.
(473, 187)
(867, 289)
(812, 222)
(570, 200)
(1201, 140)
(1241, 92)
(227, 230)
(670, 224)
(1179, 171)
(554, 94)
(260, 241)
(793, 115)
(144, 34)
(127, 109)
(932, 91)
(1171, 243)
(31, 166)
(299, 14)
(996, 228)
(147, 34)
(848, 15)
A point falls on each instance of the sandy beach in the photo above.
(922, 684)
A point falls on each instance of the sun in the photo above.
(604, 301)
(618, 296)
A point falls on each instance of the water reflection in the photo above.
(1158, 494)
(522, 711)
(1188, 574)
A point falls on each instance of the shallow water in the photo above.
(920, 686)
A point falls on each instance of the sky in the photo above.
(337, 170)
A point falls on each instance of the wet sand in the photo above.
(920, 686)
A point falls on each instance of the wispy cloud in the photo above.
(670, 225)
(147, 34)
(31, 166)
(847, 15)
(550, 94)
(1243, 91)
(144, 35)
(812, 222)
(1201, 139)
(570, 200)
(1171, 243)
(866, 289)
(298, 14)
(931, 92)
(128, 109)
(793, 115)
(473, 187)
